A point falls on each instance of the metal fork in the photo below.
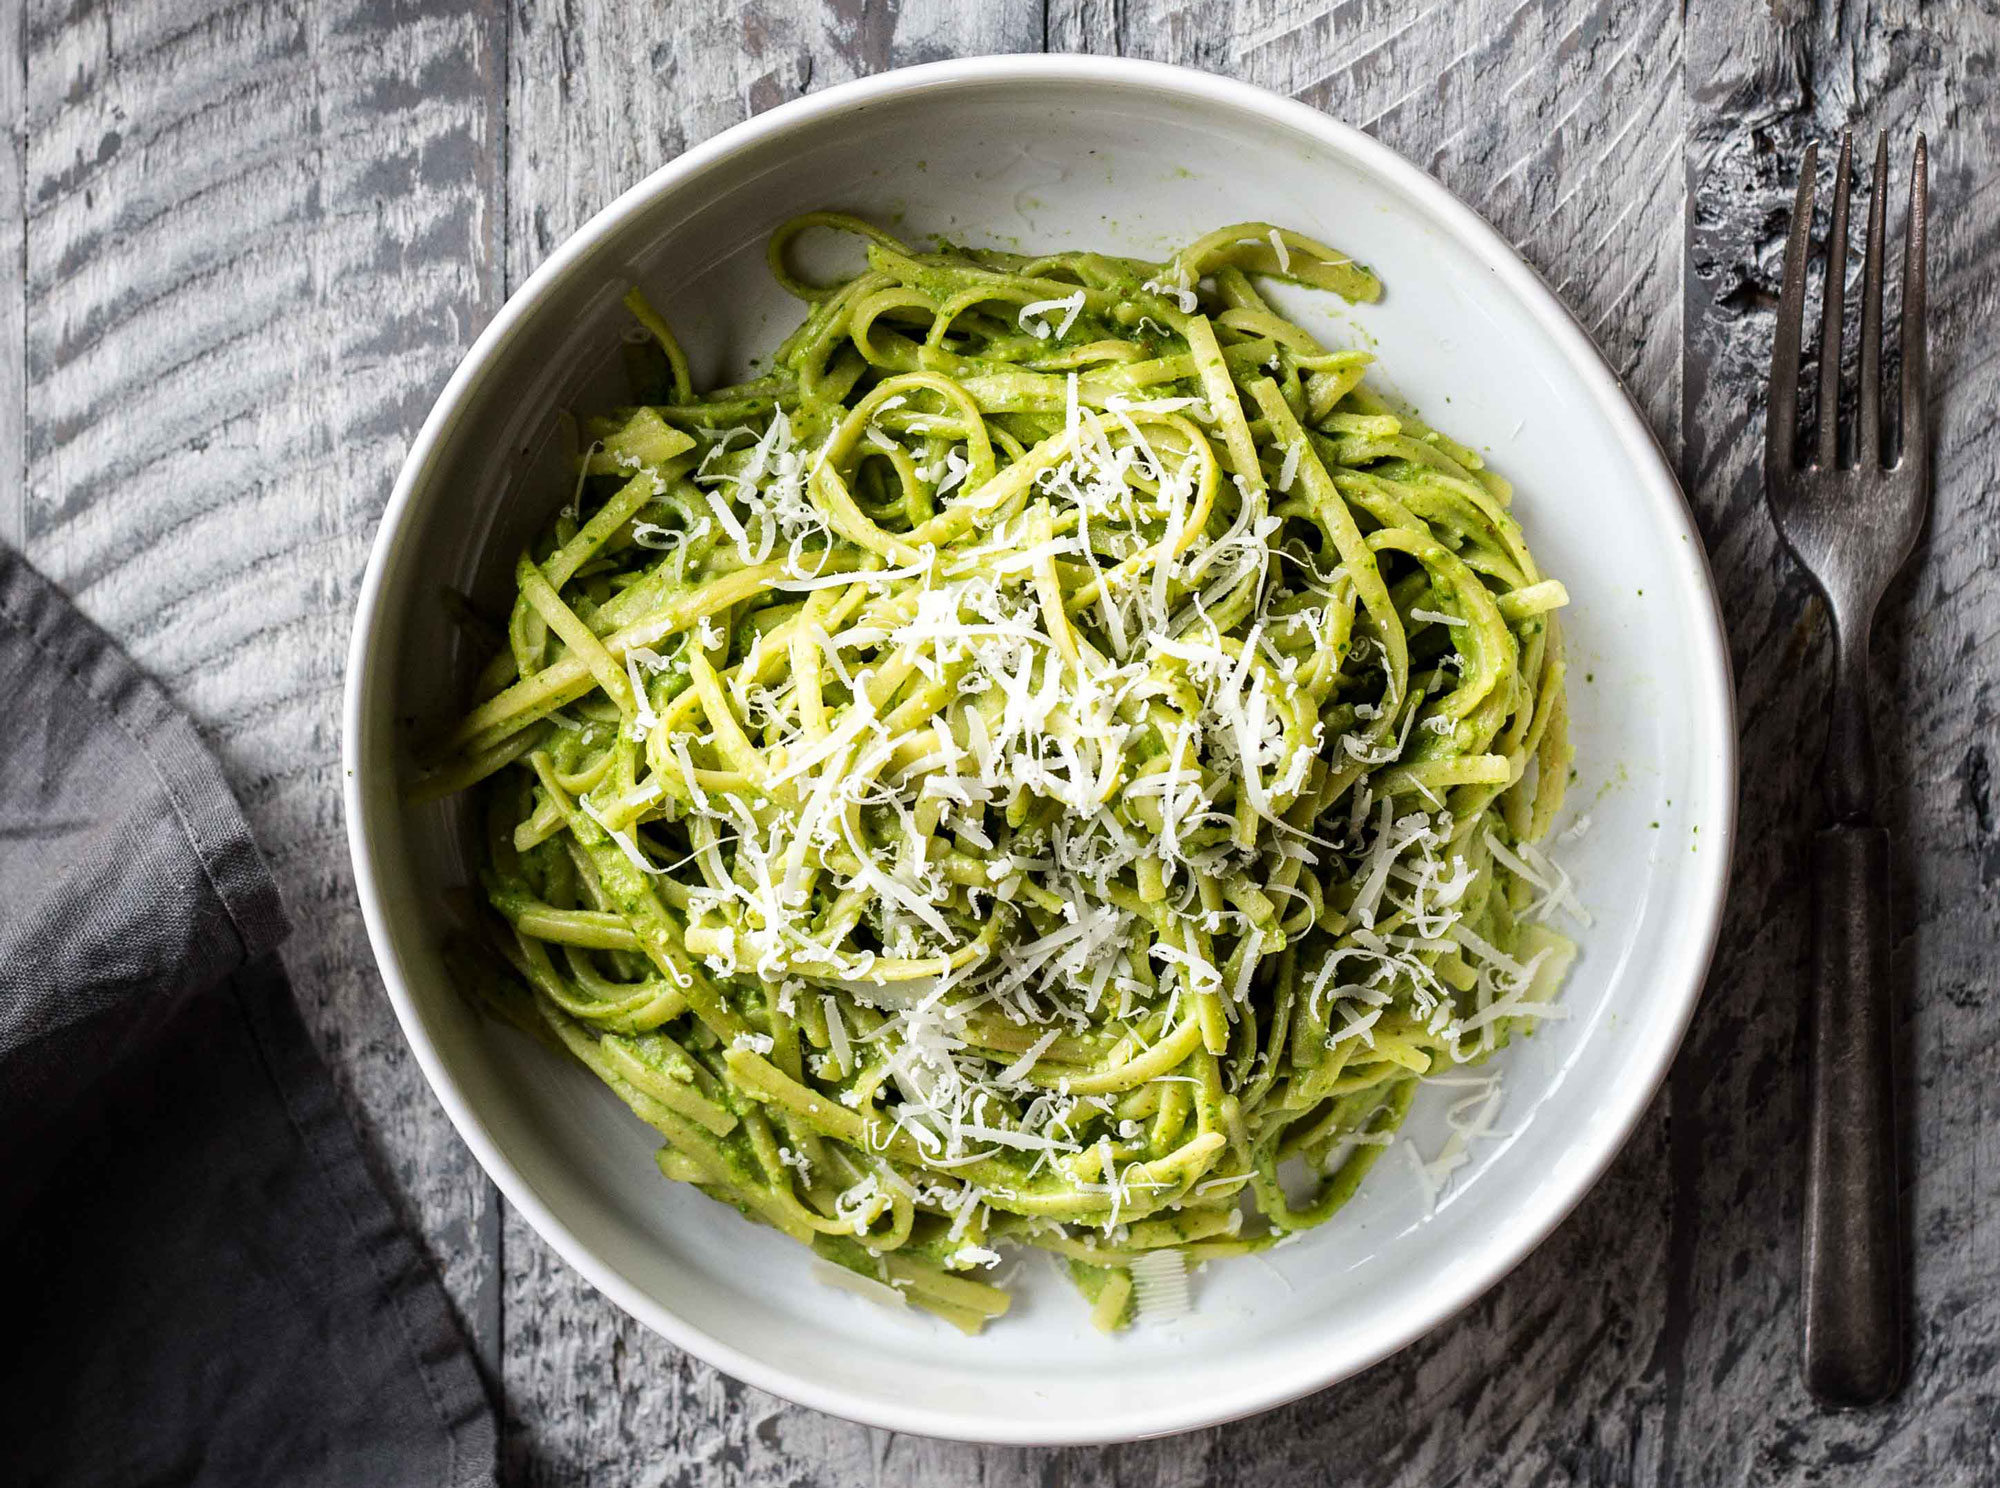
(1851, 528)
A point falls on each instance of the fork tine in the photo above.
(1833, 310)
(1916, 363)
(1868, 417)
(1781, 416)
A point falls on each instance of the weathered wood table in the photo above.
(245, 243)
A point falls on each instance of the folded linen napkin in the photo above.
(200, 1283)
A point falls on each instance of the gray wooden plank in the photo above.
(1761, 83)
(1562, 124)
(600, 92)
(13, 275)
(256, 239)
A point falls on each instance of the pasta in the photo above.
(1052, 752)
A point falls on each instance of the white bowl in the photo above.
(1053, 152)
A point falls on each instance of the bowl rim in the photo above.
(1711, 671)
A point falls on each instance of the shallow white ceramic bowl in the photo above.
(1050, 153)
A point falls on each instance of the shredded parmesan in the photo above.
(1160, 1285)
(1437, 617)
(1033, 317)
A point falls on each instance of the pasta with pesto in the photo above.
(1052, 751)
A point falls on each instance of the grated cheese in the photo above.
(1033, 316)
(1160, 1285)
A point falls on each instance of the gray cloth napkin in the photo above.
(200, 1283)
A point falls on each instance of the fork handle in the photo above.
(1853, 1242)
(1849, 780)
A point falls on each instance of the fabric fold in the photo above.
(207, 1285)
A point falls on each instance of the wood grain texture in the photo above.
(1562, 124)
(602, 92)
(1446, 86)
(256, 238)
(599, 93)
(13, 274)
(1763, 83)
(240, 247)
